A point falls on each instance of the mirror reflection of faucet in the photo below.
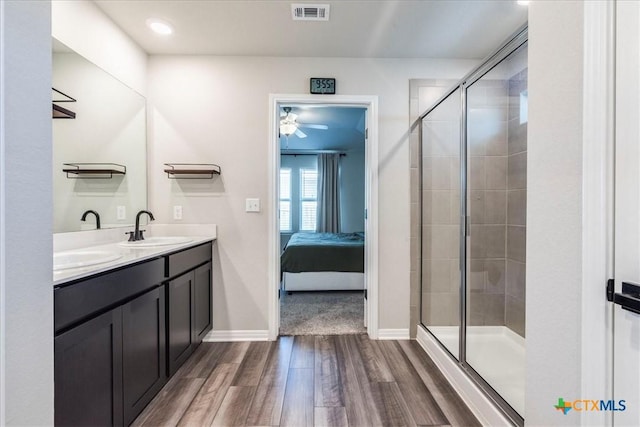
(84, 217)
(136, 235)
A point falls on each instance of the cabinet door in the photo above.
(203, 302)
(88, 373)
(144, 351)
(181, 296)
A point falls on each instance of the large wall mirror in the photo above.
(108, 132)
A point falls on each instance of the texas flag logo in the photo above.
(563, 406)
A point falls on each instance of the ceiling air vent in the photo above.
(310, 12)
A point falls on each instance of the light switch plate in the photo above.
(121, 213)
(252, 205)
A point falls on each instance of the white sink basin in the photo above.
(67, 260)
(156, 241)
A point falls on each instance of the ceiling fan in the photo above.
(289, 124)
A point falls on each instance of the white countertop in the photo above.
(129, 255)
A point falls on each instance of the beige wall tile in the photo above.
(414, 182)
(476, 206)
(476, 242)
(515, 315)
(476, 173)
(476, 275)
(496, 173)
(517, 141)
(436, 207)
(496, 273)
(436, 173)
(437, 242)
(436, 276)
(516, 243)
(414, 212)
(494, 241)
(517, 207)
(440, 309)
(517, 174)
(454, 265)
(414, 145)
(516, 279)
(497, 144)
(495, 207)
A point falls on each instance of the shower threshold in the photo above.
(497, 354)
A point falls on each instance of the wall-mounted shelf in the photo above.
(93, 170)
(59, 112)
(191, 170)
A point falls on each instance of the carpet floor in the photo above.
(322, 313)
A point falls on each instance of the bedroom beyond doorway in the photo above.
(321, 211)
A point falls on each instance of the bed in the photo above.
(323, 262)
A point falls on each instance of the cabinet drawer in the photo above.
(81, 300)
(180, 262)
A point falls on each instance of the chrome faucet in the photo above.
(84, 217)
(137, 233)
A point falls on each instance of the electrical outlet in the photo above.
(252, 205)
(177, 212)
(121, 213)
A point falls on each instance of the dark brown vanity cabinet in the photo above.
(143, 351)
(114, 331)
(189, 303)
(88, 373)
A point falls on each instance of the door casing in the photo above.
(370, 102)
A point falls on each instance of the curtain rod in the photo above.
(310, 152)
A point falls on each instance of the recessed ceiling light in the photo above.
(523, 2)
(159, 26)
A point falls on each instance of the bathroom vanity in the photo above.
(123, 330)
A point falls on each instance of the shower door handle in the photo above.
(629, 298)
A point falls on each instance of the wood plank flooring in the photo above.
(324, 380)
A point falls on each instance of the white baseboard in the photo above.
(481, 406)
(393, 334)
(235, 335)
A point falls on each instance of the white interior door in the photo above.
(626, 386)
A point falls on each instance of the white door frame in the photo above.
(597, 206)
(371, 200)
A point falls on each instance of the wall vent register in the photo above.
(310, 12)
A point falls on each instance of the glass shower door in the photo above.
(496, 135)
(440, 206)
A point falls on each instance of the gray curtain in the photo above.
(328, 193)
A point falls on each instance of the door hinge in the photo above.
(365, 294)
(366, 133)
(279, 293)
(366, 213)
(610, 289)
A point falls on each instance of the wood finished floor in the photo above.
(333, 380)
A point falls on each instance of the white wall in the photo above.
(26, 290)
(352, 192)
(554, 211)
(83, 27)
(216, 109)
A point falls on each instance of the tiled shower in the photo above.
(473, 192)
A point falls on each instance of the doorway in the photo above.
(370, 288)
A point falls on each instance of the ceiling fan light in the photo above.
(287, 128)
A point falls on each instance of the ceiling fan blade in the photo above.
(300, 134)
(312, 126)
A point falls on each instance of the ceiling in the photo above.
(345, 129)
(461, 29)
(465, 29)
